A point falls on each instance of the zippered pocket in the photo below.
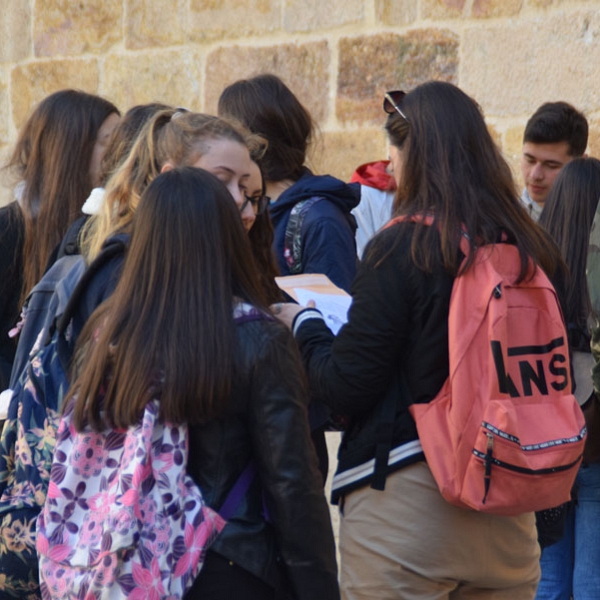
(525, 456)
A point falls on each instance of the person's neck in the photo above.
(274, 189)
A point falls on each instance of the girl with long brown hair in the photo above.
(402, 539)
(569, 563)
(55, 161)
(168, 331)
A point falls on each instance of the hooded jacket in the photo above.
(327, 231)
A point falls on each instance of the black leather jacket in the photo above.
(266, 421)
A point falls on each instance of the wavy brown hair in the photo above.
(168, 329)
(52, 158)
(453, 169)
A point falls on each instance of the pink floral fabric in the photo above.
(122, 518)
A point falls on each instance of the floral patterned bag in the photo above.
(122, 518)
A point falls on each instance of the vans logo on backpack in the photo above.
(543, 372)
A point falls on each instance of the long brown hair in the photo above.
(168, 328)
(261, 236)
(52, 160)
(453, 169)
(568, 216)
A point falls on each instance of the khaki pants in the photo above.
(409, 543)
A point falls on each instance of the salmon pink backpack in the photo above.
(505, 434)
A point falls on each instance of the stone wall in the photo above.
(339, 56)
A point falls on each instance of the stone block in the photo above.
(217, 19)
(153, 24)
(593, 148)
(371, 65)
(15, 31)
(396, 12)
(311, 15)
(173, 77)
(517, 65)
(442, 9)
(5, 125)
(512, 148)
(32, 82)
(64, 27)
(496, 8)
(303, 67)
(338, 153)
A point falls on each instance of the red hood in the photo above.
(375, 175)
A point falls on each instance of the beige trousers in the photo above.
(408, 543)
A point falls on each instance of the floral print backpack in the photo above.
(122, 518)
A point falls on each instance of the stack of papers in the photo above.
(331, 300)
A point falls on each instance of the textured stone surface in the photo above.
(15, 31)
(342, 151)
(512, 148)
(172, 77)
(496, 8)
(512, 70)
(150, 23)
(303, 67)
(32, 82)
(396, 12)
(308, 15)
(65, 27)
(594, 139)
(442, 9)
(5, 133)
(217, 19)
(368, 66)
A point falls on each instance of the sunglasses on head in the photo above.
(391, 102)
(259, 204)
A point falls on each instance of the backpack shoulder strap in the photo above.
(292, 248)
(112, 250)
(428, 219)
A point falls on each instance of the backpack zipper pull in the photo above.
(488, 465)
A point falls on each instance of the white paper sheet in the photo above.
(333, 306)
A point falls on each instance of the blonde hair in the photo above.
(174, 136)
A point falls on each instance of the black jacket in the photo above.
(12, 231)
(266, 422)
(392, 352)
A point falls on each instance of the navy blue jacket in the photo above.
(327, 234)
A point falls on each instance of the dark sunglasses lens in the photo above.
(391, 100)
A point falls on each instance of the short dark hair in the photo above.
(555, 122)
(267, 107)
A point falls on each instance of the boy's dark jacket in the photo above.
(328, 244)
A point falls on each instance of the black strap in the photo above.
(63, 348)
(115, 248)
(385, 432)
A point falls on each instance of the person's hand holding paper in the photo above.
(317, 291)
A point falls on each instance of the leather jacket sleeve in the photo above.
(287, 467)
